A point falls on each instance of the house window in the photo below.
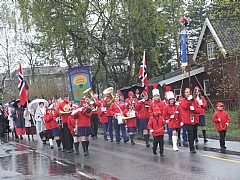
(177, 92)
(206, 87)
(210, 51)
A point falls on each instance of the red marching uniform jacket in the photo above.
(143, 109)
(103, 116)
(132, 122)
(116, 107)
(186, 112)
(54, 122)
(172, 110)
(61, 108)
(71, 124)
(48, 118)
(157, 124)
(83, 117)
(159, 104)
(223, 115)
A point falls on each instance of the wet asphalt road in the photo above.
(110, 161)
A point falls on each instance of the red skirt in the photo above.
(20, 131)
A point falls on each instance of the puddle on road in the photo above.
(26, 161)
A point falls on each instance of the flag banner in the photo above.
(22, 87)
(80, 80)
(142, 74)
(183, 48)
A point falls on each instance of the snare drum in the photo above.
(119, 119)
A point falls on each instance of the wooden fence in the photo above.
(229, 104)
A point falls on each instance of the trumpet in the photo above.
(109, 93)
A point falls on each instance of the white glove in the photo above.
(151, 130)
(167, 121)
(192, 108)
(80, 109)
(142, 100)
(200, 102)
(181, 123)
(172, 116)
(57, 119)
(227, 124)
(219, 119)
(176, 112)
(74, 111)
(91, 102)
(190, 97)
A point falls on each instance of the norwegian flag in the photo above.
(22, 87)
(142, 74)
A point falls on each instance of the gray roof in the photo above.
(228, 31)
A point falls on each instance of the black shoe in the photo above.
(126, 140)
(44, 142)
(32, 139)
(148, 145)
(29, 139)
(106, 139)
(133, 143)
(92, 138)
(196, 140)
(51, 146)
(118, 142)
(154, 151)
(170, 138)
(69, 151)
(161, 154)
(59, 148)
(205, 140)
(111, 140)
(96, 137)
(185, 140)
(63, 150)
(21, 137)
(223, 147)
(179, 139)
(77, 152)
(85, 153)
(192, 151)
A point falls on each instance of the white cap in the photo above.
(155, 92)
(170, 95)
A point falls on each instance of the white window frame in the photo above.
(204, 86)
(177, 95)
(210, 51)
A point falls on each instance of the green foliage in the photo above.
(233, 127)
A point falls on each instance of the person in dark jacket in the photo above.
(19, 121)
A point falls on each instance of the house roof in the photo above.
(225, 32)
(171, 77)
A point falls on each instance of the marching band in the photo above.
(70, 124)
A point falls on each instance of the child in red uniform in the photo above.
(48, 119)
(221, 120)
(156, 126)
(103, 118)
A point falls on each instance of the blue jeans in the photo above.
(117, 128)
(169, 132)
(110, 118)
(105, 126)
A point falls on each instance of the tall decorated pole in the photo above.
(184, 49)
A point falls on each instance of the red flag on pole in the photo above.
(142, 74)
(22, 87)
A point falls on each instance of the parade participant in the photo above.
(221, 120)
(116, 108)
(137, 94)
(203, 104)
(103, 118)
(55, 124)
(189, 115)
(19, 121)
(48, 119)
(64, 111)
(156, 126)
(83, 115)
(30, 124)
(40, 124)
(172, 117)
(130, 99)
(73, 127)
(142, 107)
(131, 114)
(165, 101)
(95, 118)
(156, 101)
(121, 98)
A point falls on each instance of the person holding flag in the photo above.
(142, 74)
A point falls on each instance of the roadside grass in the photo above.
(233, 127)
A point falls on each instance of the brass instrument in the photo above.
(89, 96)
(109, 93)
(67, 110)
